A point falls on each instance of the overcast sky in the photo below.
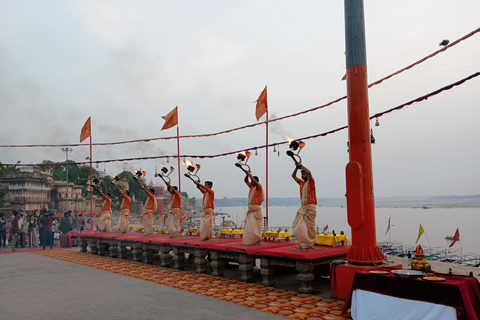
(128, 63)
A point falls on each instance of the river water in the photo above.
(438, 221)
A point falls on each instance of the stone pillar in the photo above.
(246, 267)
(200, 260)
(217, 264)
(305, 276)
(267, 272)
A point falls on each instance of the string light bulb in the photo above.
(377, 123)
(168, 159)
(256, 152)
(275, 148)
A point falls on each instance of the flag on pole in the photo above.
(86, 130)
(420, 232)
(388, 228)
(325, 229)
(455, 238)
(262, 105)
(171, 119)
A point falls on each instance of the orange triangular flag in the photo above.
(86, 130)
(171, 119)
(262, 105)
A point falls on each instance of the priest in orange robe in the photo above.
(149, 209)
(252, 234)
(208, 217)
(304, 227)
(105, 223)
(125, 215)
(174, 218)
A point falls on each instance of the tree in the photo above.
(2, 192)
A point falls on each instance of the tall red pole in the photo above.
(266, 178)
(91, 189)
(359, 176)
(178, 160)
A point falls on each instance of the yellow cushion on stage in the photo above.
(238, 231)
(191, 231)
(329, 239)
(225, 231)
(270, 234)
(283, 234)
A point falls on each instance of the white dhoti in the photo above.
(253, 225)
(105, 223)
(148, 227)
(206, 224)
(304, 227)
(173, 222)
(124, 224)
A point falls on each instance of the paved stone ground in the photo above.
(41, 288)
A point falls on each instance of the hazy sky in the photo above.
(128, 63)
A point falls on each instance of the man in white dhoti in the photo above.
(304, 227)
(254, 221)
(208, 217)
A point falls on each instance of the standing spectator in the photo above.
(82, 222)
(32, 233)
(3, 230)
(14, 230)
(43, 214)
(21, 232)
(75, 223)
(47, 223)
(26, 222)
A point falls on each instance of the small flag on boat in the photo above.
(420, 232)
(325, 229)
(388, 228)
(455, 238)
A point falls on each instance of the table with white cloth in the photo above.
(376, 296)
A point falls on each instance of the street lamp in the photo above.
(223, 221)
(67, 150)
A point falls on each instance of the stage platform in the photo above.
(215, 253)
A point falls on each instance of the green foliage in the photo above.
(78, 174)
(2, 192)
(64, 226)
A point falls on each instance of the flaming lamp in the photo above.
(192, 170)
(164, 174)
(243, 159)
(297, 146)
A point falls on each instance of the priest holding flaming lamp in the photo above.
(208, 217)
(174, 218)
(304, 227)
(105, 223)
(150, 204)
(252, 233)
(125, 206)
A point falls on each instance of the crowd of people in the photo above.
(37, 229)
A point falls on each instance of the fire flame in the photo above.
(162, 165)
(290, 140)
(241, 152)
(188, 163)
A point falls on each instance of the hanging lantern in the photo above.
(372, 138)
(275, 148)
(377, 123)
(168, 159)
(256, 152)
